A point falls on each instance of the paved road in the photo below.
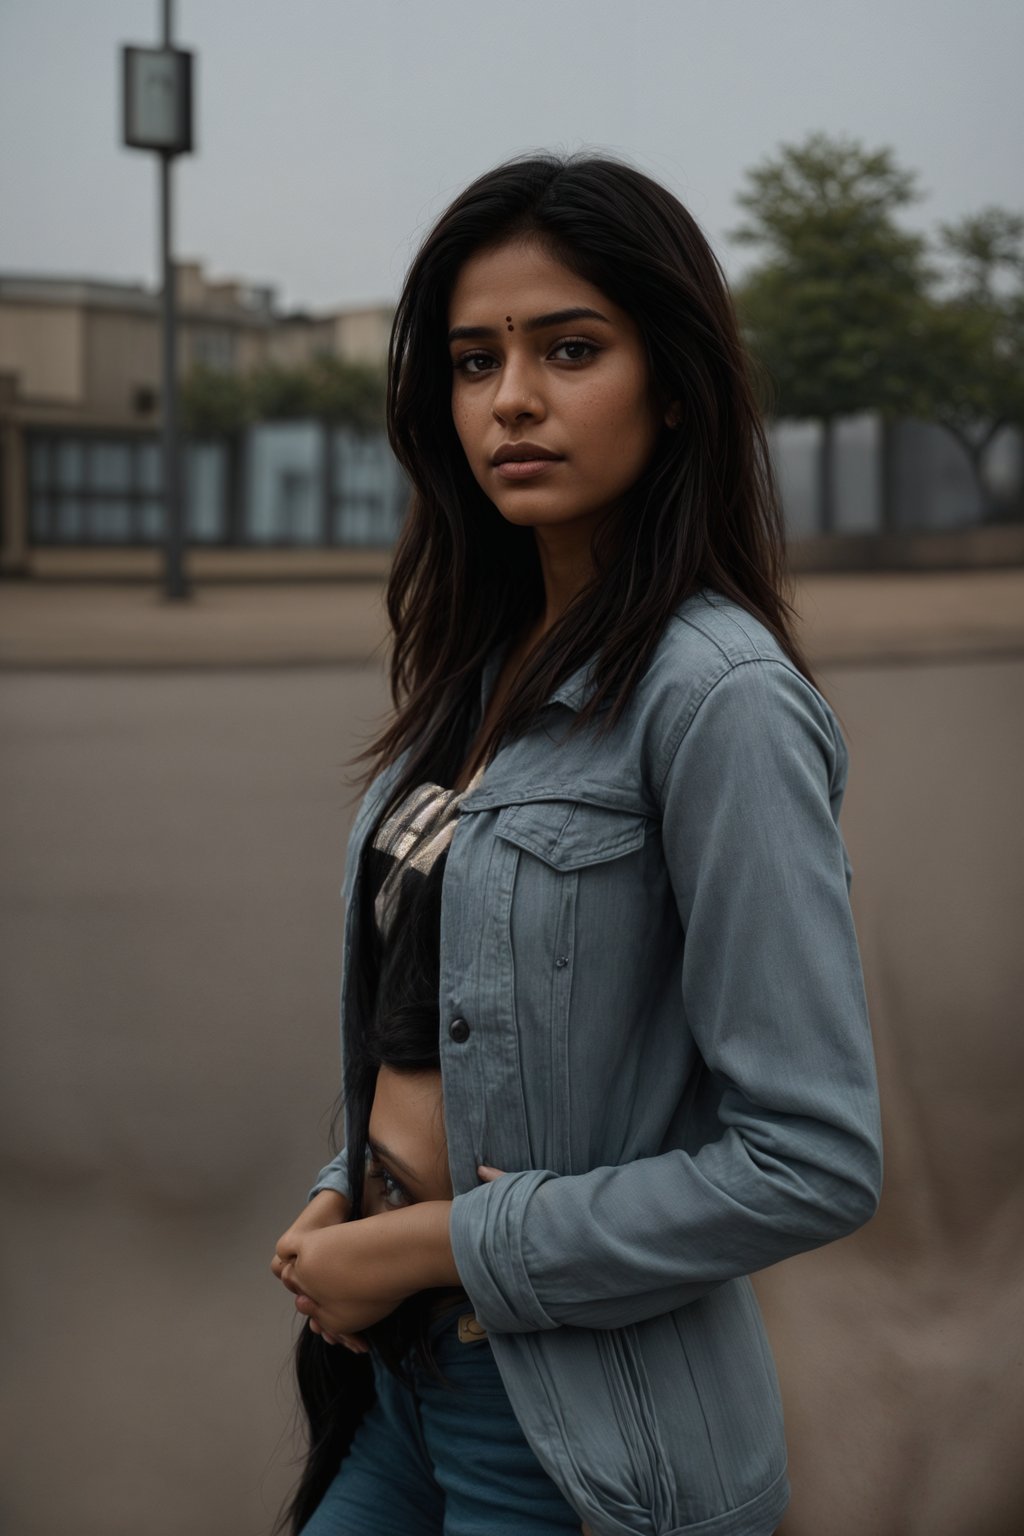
(169, 944)
(857, 618)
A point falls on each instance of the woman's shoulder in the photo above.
(716, 633)
(711, 639)
(706, 636)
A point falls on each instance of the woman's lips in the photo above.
(524, 469)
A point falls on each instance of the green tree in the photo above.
(971, 377)
(327, 388)
(835, 308)
(280, 394)
(213, 402)
(351, 394)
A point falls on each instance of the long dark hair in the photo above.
(705, 512)
(398, 1020)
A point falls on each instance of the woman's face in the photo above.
(408, 1155)
(576, 387)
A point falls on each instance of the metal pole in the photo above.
(175, 572)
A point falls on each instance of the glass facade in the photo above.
(103, 489)
(306, 484)
(286, 484)
(206, 494)
(283, 468)
(368, 490)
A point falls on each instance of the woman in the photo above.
(654, 1046)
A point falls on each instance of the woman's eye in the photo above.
(393, 1194)
(583, 350)
(577, 342)
(464, 363)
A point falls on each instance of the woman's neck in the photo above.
(566, 567)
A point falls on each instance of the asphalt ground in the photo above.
(175, 797)
(844, 618)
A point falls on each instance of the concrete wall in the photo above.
(45, 346)
(122, 355)
(361, 336)
(931, 486)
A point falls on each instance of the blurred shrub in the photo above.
(327, 388)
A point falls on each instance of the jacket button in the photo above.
(459, 1030)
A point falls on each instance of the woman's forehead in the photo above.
(521, 279)
(404, 1100)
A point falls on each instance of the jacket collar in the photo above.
(574, 691)
(579, 687)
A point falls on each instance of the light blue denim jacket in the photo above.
(662, 1035)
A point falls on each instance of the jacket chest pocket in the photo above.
(571, 834)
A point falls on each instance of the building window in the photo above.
(213, 348)
(104, 489)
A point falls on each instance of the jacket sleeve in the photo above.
(334, 1175)
(772, 991)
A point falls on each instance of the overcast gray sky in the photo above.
(331, 132)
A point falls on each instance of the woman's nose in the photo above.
(517, 394)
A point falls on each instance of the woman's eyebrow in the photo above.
(538, 323)
(384, 1154)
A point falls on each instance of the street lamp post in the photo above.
(157, 115)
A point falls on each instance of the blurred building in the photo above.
(88, 351)
(80, 465)
(81, 469)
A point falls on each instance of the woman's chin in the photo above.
(536, 513)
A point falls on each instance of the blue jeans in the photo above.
(441, 1462)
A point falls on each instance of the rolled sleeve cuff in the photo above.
(333, 1176)
(487, 1244)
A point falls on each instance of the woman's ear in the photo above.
(674, 414)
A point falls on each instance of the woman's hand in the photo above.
(348, 1275)
(326, 1209)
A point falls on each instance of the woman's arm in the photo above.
(350, 1276)
(773, 994)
